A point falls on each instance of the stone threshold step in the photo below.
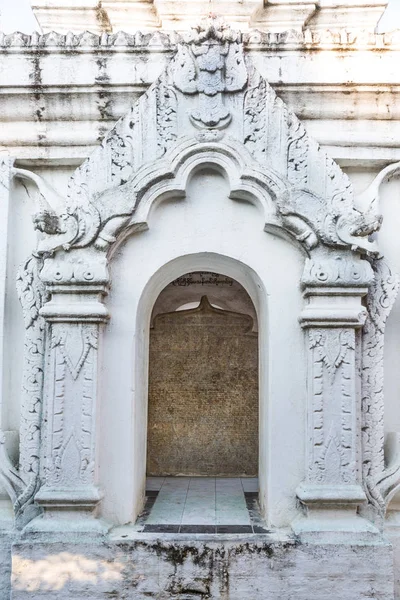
(159, 528)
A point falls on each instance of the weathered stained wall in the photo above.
(203, 394)
(60, 94)
(257, 568)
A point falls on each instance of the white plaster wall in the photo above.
(22, 241)
(206, 231)
(389, 242)
(20, 228)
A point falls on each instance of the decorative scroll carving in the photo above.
(332, 459)
(298, 156)
(210, 65)
(23, 484)
(32, 295)
(337, 270)
(255, 118)
(380, 301)
(166, 117)
(121, 143)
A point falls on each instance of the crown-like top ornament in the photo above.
(210, 64)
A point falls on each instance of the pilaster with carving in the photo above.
(74, 314)
(332, 317)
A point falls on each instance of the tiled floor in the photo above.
(202, 505)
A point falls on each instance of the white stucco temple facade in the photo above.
(199, 269)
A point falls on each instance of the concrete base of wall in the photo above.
(6, 539)
(237, 567)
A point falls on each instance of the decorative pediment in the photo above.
(210, 97)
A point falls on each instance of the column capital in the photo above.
(337, 270)
(337, 307)
(76, 304)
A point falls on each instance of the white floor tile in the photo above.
(200, 501)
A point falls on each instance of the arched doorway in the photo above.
(203, 380)
(203, 406)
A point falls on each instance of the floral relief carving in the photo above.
(23, 483)
(32, 295)
(332, 346)
(297, 159)
(332, 459)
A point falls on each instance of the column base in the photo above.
(335, 527)
(67, 523)
(331, 515)
(84, 498)
(330, 495)
(68, 510)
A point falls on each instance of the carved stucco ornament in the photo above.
(267, 156)
(209, 66)
(270, 143)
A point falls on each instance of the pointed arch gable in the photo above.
(209, 103)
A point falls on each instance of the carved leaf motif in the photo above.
(71, 426)
(332, 455)
(332, 460)
(184, 71)
(235, 69)
(255, 116)
(332, 348)
(75, 343)
(211, 65)
(70, 460)
(31, 291)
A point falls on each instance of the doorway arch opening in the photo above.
(203, 379)
(203, 406)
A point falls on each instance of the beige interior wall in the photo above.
(203, 387)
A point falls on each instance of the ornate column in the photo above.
(332, 316)
(75, 313)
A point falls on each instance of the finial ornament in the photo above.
(210, 65)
